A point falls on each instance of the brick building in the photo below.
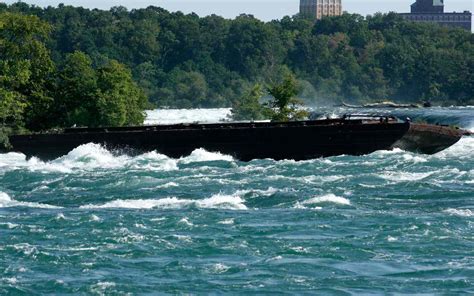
(320, 8)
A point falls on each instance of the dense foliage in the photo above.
(250, 105)
(282, 106)
(285, 106)
(184, 60)
(38, 94)
(65, 65)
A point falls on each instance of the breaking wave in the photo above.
(218, 201)
(460, 212)
(7, 202)
(202, 155)
(328, 198)
(323, 199)
(92, 156)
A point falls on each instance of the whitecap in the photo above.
(60, 216)
(167, 203)
(222, 201)
(202, 155)
(100, 287)
(227, 221)
(168, 185)
(218, 201)
(185, 238)
(405, 176)
(185, 221)
(153, 161)
(392, 239)
(11, 160)
(323, 179)
(384, 153)
(95, 218)
(460, 212)
(11, 281)
(328, 198)
(299, 249)
(462, 149)
(7, 202)
(10, 225)
(414, 158)
(158, 219)
(219, 268)
(257, 192)
(89, 157)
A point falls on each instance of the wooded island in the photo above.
(63, 66)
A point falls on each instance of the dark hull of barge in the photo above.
(244, 141)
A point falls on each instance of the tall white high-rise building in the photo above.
(319, 8)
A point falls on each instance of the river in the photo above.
(92, 222)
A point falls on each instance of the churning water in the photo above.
(92, 222)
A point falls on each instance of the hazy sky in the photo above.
(263, 9)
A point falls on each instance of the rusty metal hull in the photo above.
(245, 141)
(428, 138)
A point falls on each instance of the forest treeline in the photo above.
(73, 61)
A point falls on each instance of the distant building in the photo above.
(433, 11)
(428, 6)
(319, 8)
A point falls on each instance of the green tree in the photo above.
(119, 100)
(26, 70)
(77, 91)
(249, 107)
(344, 58)
(284, 106)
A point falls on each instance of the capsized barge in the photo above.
(299, 140)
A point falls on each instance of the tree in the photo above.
(249, 107)
(182, 60)
(26, 71)
(77, 91)
(119, 100)
(284, 106)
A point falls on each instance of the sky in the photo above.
(262, 9)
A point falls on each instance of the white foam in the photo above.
(227, 221)
(218, 201)
(166, 203)
(168, 185)
(11, 281)
(10, 225)
(392, 239)
(257, 192)
(201, 155)
(10, 160)
(219, 268)
(95, 218)
(175, 116)
(60, 216)
(460, 212)
(318, 179)
(221, 201)
(153, 161)
(185, 221)
(89, 157)
(408, 157)
(405, 176)
(7, 202)
(184, 238)
(328, 198)
(384, 153)
(464, 149)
